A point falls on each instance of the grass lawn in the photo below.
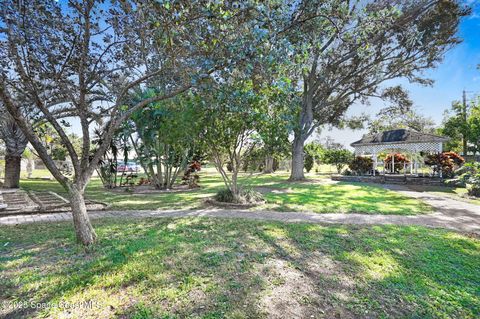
(459, 193)
(206, 268)
(316, 196)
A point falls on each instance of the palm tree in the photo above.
(15, 144)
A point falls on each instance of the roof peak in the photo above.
(400, 135)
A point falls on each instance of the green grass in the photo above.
(38, 173)
(206, 268)
(316, 195)
(459, 193)
(341, 198)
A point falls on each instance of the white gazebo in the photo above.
(397, 141)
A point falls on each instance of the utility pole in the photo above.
(464, 118)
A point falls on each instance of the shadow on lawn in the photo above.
(215, 269)
(342, 197)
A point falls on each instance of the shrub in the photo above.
(361, 165)
(347, 172)
(144, 181)
(454, 182)
(444, 162)
(337, 157)
(399, 161)
(456, 158)
(473, 190)
(250, 196)
(246, 196)
(468, 168)
(470, 176)
(224, 196)
(189, 178)
(473, 185)
(308, 162)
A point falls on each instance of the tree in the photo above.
(394, 118)
(275, 124)
(344, 51)
(456, 126)
(462, 125)
(308, 162)
(167, 138)
(82, 59)
(232, 118)
(313, 154)
(15, 144)
(474, 129)
(337, 157)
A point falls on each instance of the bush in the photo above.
(189, 177)
(472, 179)
(456, 158)
(361, 165)
(224, 196)
(308, 162)
(454, 182)
(467, 176)
(444, 162)
(473, 190)
(347, 172)
(468, 169)
(246, 196)
(337, 157)
(399, 161)
(251, 196)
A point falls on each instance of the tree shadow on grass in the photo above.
(173, 262)
(233, 268)
(342, 198)
(401, 271)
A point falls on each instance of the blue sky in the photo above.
(457, 72)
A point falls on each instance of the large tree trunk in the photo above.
(302, 133)
(297, 158)
(268, 169)
(83, 228)
(12, 171)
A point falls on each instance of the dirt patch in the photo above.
(148, 189)
(212, 202)
(306, 290)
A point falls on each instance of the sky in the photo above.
(457, 72)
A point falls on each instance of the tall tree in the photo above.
(345, 50)
(390, 119)
(232, 118)
(474, 132)
(462, 125)
(82, 59)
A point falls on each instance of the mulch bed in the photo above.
(148, 189)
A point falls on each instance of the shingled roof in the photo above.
(399, 136)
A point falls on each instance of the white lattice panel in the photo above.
(427, 147)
